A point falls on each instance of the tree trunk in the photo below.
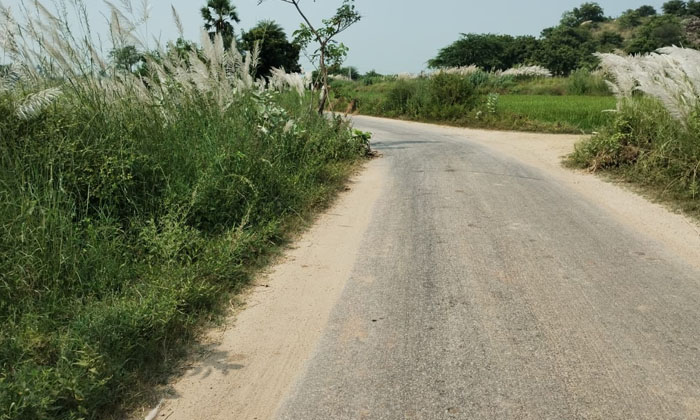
(324, 79)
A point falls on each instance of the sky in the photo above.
(394, 36)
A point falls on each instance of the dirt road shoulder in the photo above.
(255, 360)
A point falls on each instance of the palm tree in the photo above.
(219, 16)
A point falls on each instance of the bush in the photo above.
(657, 32)
(647, 145)
(400, 97)
(583, 82)
(479, 78)
(450, 90)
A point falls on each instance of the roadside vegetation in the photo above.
(654, 139)
(525, 99)
(136, 195)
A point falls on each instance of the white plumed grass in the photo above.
(217, 71)
(671, 75)
(461, 71)
(37, 102)
(280, 80)
(527, 72)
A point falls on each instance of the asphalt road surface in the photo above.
(487, 290)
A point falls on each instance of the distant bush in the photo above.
(372, 77)
(657, 32)
(479, 78)
(583, 82)
(442, 96)
(449, 90)
(400, 97)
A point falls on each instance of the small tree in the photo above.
(629, 19)
(609, 41)
(693, 8)
(646, 11)
(587, 12)
(329, 51)
(126, 58)
(564, 49)
(274, 48)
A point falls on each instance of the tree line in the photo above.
(580, 33)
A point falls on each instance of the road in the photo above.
(486, 290)
(467, 275)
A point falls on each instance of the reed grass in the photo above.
(132, 206)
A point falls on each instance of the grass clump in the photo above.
(653, 141)
(443, 96)
(131, 206)
(583, 82)
(646, 146)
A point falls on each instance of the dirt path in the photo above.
(255, 359)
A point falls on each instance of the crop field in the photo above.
(586, 113)
(549, 110)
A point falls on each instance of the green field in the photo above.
(585, 113)
(561, 105)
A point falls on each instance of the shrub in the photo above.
(451, 89)
(451, 96)
(583, 82)
(657, 32)
(479, 78)
(400, 97)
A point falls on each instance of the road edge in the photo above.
(255, 358)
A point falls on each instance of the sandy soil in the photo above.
(254, 360)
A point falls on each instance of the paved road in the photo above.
(486, 290)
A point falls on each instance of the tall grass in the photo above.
(654, 139)
(131, 206)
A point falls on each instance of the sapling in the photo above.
(329, 51)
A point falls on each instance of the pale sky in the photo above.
(394, 36)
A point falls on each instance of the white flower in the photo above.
(671, 75)
(527, 71)
(289, 126)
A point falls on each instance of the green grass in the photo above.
(122, 229)
(573, 104)
(134, 206)
(584, 113)
(647, 147)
